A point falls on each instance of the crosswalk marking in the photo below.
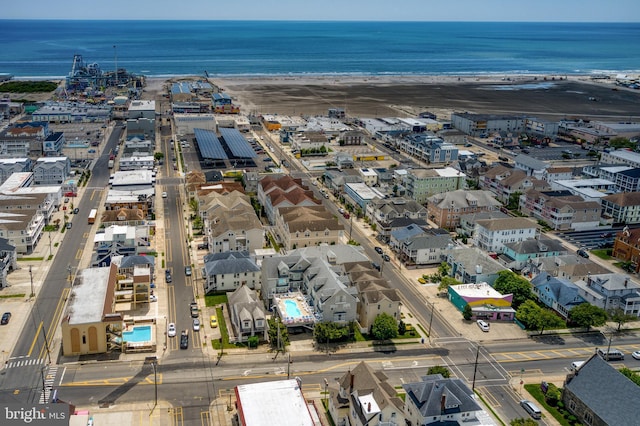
(24, 362)
(49, 381)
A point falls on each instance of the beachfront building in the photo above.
(9, 166)
(621, 156)
(71, 112)
(445, 209)
(423, 183)
(185, 124)
(481, 125)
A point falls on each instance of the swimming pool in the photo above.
(138, 334)
(292, 309)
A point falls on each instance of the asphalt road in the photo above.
(25, 383)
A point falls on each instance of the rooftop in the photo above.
(86, 302)
(263, 403)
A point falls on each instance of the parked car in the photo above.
(5, 318)
(484, 326)
(167, 276)
(153, 298)
(213, 320)
(69, 225)
(171, 330)
(184, 340)
(76, 210)
(386, 257)
(196, 324)
(378, 249)
(606, 235)
(203, 246)
(341, 210)
(531, 408)
(164, 195)
(583, 253)
(187, 271)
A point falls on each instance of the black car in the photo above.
(167, 276)
(76, 210)
(583, 253)
(5, 318)
(184, 340)
(378, 250)
(386, 257)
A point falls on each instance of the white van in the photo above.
(531, 408)
(576, 364)
(611, 355)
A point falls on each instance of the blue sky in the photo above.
(349, 10)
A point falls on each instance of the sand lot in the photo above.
(384, 97)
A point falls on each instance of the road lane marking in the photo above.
(79, 254)
(35, 338)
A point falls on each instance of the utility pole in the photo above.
(475, 368)
(31, 280)
(50, 250)
(433, 305)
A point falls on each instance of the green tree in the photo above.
(631, 375)
(384, 327)
(553, 395)
(587, 315)
(274, 324)
(158, 156)
(467, 312)
(444, 269)
(438, 369)
(510, 283)
(402, 328)
(547, 319)
(514, 201)
(527, 313)
(618, 316)
(325, 332)
(445, 282)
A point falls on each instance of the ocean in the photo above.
(41, 48)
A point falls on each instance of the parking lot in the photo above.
(599, 238)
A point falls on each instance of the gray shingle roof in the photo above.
(609, 394)
(428, 396)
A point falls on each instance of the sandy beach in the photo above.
(550, 97)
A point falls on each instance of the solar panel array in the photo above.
(237, 144)
(209, 144)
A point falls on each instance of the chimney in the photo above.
(369, 407)
(351, 377)
(443, 400)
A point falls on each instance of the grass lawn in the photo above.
(215, 299)
(604, 254)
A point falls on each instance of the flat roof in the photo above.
(86, 302)
(280, 402)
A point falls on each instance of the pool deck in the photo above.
(306, 317)
(146, 346)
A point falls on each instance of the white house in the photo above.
(492, 234)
